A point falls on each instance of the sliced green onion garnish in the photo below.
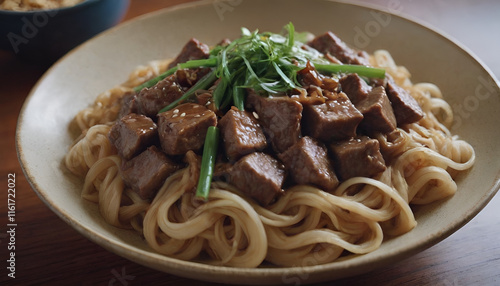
(265, 62)
(360, 70)
(239, 96)
(210, 62)
(208, 162)
(219, 92)
(204, 83)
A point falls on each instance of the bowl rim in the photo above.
(144, 257)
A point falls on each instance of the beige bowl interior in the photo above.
(75, 81)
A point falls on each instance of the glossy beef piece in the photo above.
(355, 87)
(184, 128)
(280, 119)
(241, 134)
(146, 172)
(151, 100)
(259, 176)
(188, 77)
(336, 119)
(329, 43)
(406, 108)
(377, 112)
(132, 134)
(192, 50)
(129, 105)
(357, 157)
(374, 82)
(307, 162)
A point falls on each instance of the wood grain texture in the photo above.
(49, 252)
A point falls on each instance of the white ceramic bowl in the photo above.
(74, 82)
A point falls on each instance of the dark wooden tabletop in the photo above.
(50, 252)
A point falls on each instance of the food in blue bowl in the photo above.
(44, 30)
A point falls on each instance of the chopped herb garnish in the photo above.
(208, 162)
(265, 62)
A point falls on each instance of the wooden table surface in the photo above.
(50, 252)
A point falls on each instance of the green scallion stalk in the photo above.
(239, 96)
(219, 92)
(283, 76)
(204, 83)
(210, 62)
(265, 62)
(360, 70)
(291, 34)
(227, 100)
(208, 162)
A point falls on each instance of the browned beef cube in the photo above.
(259, 176)
(374, 82)
(192, 50)
(132, 134)
(188, 77)
(280, 119)
(355, 87)
(151, 100)
(307, 162)
(406, 108)
(184, 128)
(335, 119)
(377, 112)
(357, 157)
(329, 43)
(241, 134)
(128, 103)
(146, 172)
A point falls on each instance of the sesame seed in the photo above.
(255, 115)
(183, 114)
(176, 111)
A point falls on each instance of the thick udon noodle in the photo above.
(305, 226)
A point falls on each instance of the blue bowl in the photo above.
(43, 36)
